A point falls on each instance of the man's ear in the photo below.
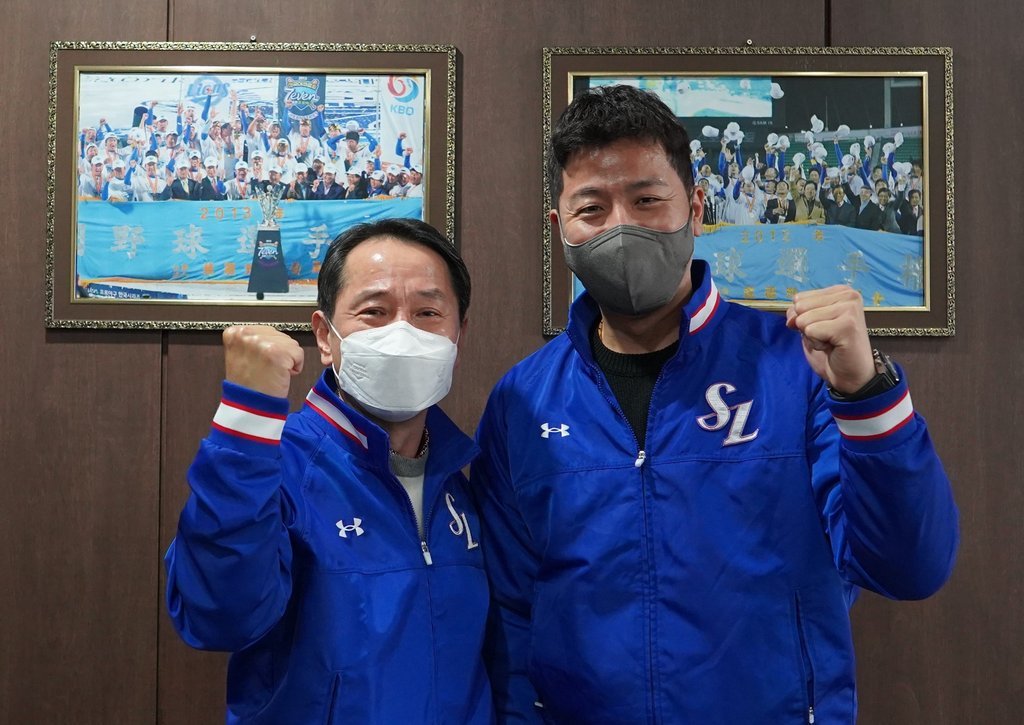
(463, 326)
(322, 331)
(556, 227)
(697, 209)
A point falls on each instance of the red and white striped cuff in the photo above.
(249, 423)
(877, 424)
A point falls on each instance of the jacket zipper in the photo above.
(652, 599)
(808, 665)
(411, 510)
(641, 458)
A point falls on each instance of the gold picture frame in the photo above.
(717, 87)
(115, 261)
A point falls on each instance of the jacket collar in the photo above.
(700, 315)
(449, 446)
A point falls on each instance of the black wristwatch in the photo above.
(886, 378)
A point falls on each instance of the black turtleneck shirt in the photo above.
(632, 379)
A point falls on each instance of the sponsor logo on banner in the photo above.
(403, 88)
(207, 85)
(304, 93)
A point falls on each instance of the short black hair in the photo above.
(332, 272)
(600, 116)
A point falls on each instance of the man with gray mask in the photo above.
(334, 551)
(680, 495)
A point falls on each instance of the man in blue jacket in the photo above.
(334, 551)
(681, 496)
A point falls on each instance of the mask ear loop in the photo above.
(561, 231)
(335, 368)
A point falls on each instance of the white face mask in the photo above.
(395, 371)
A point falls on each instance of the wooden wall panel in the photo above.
(79, 435)
(191, 682)
(956, 658)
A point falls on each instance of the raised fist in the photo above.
(261, 358)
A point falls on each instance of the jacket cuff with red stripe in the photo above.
(249, 420)
(876, 423)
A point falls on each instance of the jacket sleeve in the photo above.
(229, 566)
(885, 501)
(512, 564)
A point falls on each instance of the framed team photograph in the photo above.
(197, 185)
(819, 166)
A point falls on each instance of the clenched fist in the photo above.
(835, 336)
(261, 358)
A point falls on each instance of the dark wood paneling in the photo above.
(956, 658)
(192, 683)
(79, 436)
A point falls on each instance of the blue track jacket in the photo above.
(298, 551)
(707, 578)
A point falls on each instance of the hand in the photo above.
(835, 337)
(181, 107)
(261, 358)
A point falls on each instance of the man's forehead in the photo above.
(385, 262)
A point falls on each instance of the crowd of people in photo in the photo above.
(198, 157)
(864, 187)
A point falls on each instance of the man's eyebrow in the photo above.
(370, 295)
(632, 186)
(432, 293)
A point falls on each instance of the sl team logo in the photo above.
(723, 414)
(404, 89)
(459, 524)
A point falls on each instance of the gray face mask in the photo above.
(631, 270)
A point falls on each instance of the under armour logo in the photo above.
(723, 413)
(459, 524)
(344, 528)
(546, 430)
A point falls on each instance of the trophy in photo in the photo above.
(268, 273)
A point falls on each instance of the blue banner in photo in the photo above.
(298, 97)
(772, 262)
(213, 241)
